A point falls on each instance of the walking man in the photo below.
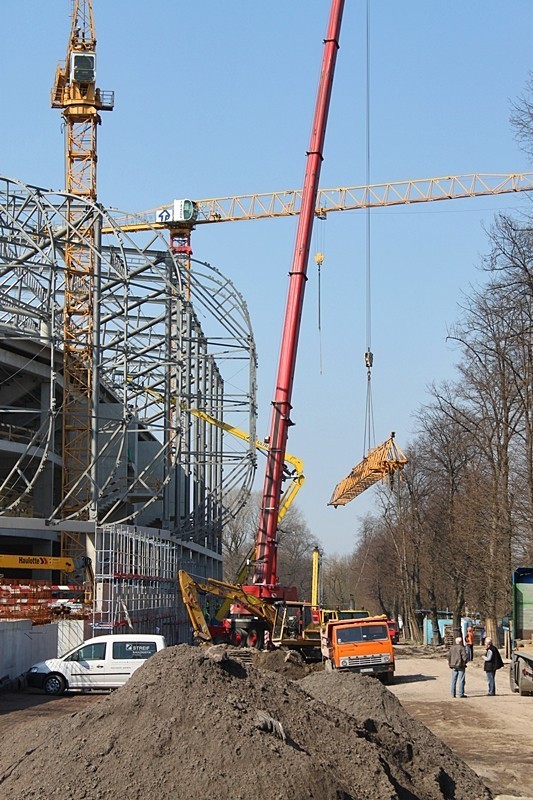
(492, 661)
(457, 662)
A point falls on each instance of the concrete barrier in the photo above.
(23, 644)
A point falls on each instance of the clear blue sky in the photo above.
(216, 99)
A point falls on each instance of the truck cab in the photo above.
(521, 672)
(359, 645)
(328, 614)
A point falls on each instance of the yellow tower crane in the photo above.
(75, 93)
(182, 216)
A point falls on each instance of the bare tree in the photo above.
(522, 118)
(295, 543)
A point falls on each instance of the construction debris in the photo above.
(382, 462)
(197, 722)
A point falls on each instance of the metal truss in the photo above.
(150, 359)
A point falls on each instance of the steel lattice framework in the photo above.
(81, 102)
(151, 362)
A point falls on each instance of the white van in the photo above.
(104, 662)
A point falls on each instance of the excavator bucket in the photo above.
(380, 463)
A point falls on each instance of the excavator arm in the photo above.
(295, 474)
(235, 594)
(189, 593)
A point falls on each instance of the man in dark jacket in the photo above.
(492, 661)
(457, 663)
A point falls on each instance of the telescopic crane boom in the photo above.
(265, 580)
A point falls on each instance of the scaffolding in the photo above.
(136, 586)
(382, 462)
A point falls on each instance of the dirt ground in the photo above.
(212, 732)
(494, 735)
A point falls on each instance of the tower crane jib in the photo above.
(287, 203)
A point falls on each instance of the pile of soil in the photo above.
(200, 723)
(285, 662)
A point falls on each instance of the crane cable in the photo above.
(369, 432)
(319, 233)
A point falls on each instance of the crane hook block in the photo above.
(380, 463)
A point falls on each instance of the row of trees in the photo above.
(461, 518)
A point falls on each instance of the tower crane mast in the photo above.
(75, 93)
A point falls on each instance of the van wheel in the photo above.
(54, 684)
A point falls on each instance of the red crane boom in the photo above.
(265, 581)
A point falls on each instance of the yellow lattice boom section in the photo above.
(380, 463)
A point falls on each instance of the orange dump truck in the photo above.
(359, 645)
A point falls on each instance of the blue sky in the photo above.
(216, 99)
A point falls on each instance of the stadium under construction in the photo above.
(119, 460)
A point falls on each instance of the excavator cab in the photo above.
(296, 627)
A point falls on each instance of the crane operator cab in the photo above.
(83, 67)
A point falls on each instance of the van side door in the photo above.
(85, 668)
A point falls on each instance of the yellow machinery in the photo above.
(233, 594)
(81, 102)
(382, 462)
(292, 624)
(77, 572)
(36, 562)
(315, 579)
(297, 480)
(297, 476)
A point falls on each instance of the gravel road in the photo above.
(494, 735)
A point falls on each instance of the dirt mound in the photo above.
(195, 723)
(288, 663)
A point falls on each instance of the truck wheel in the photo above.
(254, 639)
(388, 678)
(512, 681)
(523, 692)
(237, 638)
(328, 666)
(54, 684)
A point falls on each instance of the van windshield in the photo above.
(361, 633)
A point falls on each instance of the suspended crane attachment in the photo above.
(380, 463)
